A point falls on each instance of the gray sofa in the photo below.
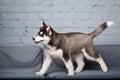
(22, 61)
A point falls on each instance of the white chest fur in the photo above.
(53, 52)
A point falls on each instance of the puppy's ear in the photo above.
(49, 30)
(42, 23)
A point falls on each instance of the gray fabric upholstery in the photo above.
(110, 53)
(22, 61)
(87, 74)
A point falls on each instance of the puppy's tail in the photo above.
(101, 28)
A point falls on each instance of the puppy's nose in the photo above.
(33, 38)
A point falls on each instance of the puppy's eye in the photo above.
(40, 34)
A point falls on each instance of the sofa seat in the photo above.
(88, 74)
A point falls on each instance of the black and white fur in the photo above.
(67, 45)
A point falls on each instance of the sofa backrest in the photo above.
(110, 54)
(18, 56)
(32, 55)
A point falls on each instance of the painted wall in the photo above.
(20, 19)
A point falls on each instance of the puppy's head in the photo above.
(44, 34)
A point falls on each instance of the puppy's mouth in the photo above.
(38, 41)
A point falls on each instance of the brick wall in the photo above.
(20, 19)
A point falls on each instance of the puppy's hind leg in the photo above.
(79, 58)
(90, 54)
(102, 64)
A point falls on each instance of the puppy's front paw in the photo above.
(40, 73)
(70, 74)
(78, 71)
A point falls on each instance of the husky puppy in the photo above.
(66, 45)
